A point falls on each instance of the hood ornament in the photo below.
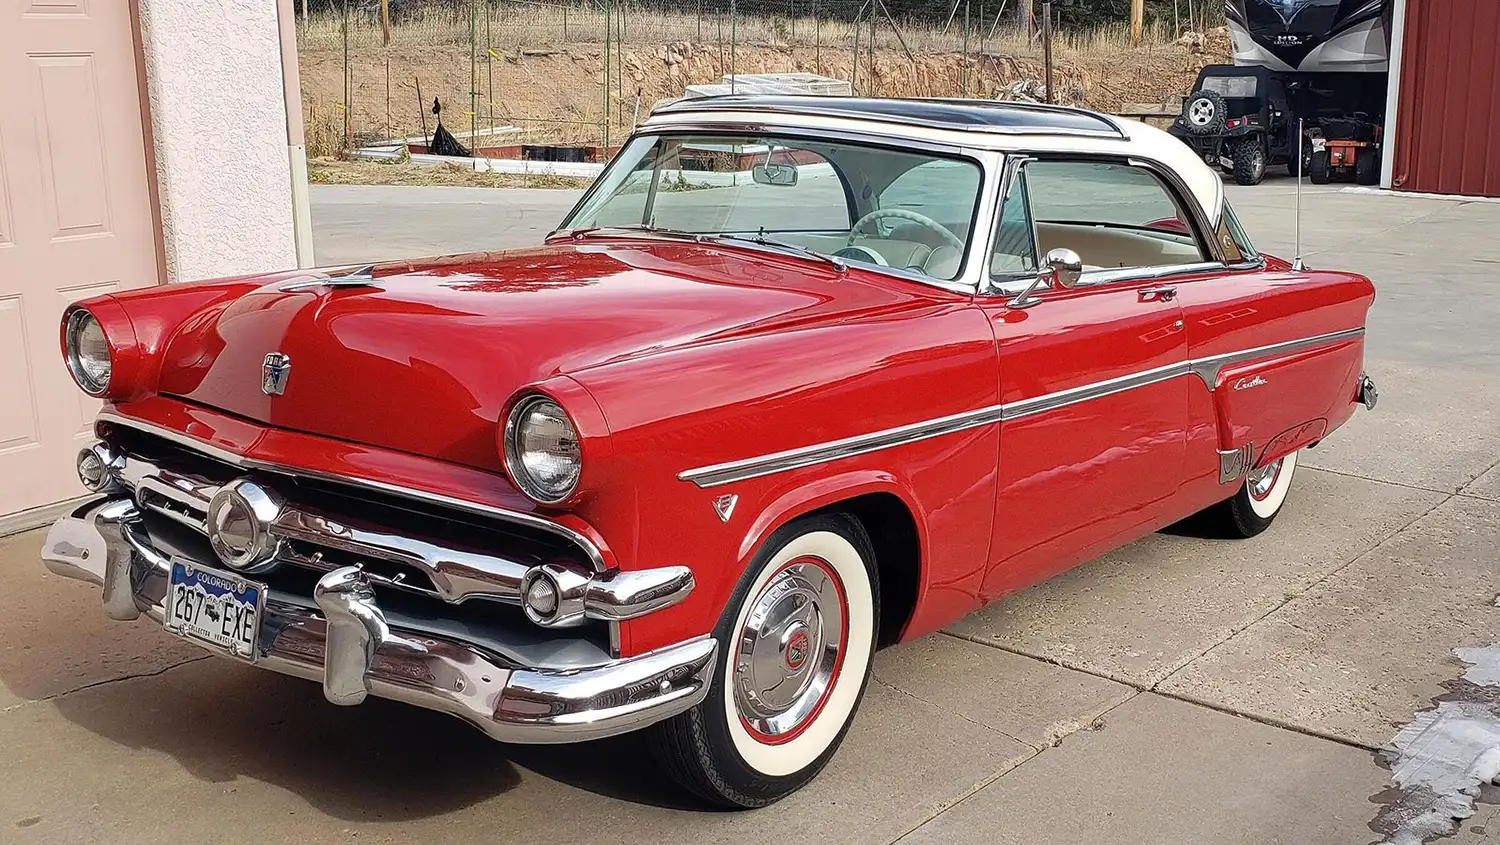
(274, 372)
(357, 278)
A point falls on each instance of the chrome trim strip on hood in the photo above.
(1206, 369)
(596, 558)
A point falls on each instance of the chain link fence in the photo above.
(508, 72)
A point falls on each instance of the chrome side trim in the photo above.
(725, 473)
(1097, 390)
(1206, 369)
(1094, 278)
(476, 508)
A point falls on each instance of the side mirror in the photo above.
(1061, 269)
(1064, 267)
(780, 175)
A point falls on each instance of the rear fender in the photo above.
(1283, 403)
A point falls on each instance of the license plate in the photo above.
(215, 608)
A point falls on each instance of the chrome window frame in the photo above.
(991, 165)
(1177, 191)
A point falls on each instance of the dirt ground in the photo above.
(556, 93)
(331, 171)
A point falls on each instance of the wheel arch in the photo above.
(887, 512)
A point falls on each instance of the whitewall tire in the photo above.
(795, 647)
(1260, 497)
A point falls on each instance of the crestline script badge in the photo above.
(1247, 383)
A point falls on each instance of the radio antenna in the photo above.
(1297, 258)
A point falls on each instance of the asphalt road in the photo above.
(1179, 690)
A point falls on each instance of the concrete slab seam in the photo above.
(1462, 488)
(106, 682)
(1288, 598)
(985, 783)
(909, 694)
(1355, 475)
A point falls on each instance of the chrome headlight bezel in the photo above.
(79, 321)
(515, 464)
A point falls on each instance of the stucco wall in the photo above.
(214, 74)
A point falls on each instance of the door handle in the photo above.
(1165, 293)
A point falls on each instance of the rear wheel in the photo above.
(1255, 505)
(1367, 166)
(795, 648)
(1249, 156)
(1317, 168)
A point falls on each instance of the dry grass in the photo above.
(329, 171)
(545, 67)
(507, 26)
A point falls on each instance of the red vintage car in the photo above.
(797, 378)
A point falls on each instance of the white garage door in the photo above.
(75, 220)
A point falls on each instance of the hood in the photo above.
(424, 359)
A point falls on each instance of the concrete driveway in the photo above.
(1180, 690)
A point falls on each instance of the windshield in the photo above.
(900, 209)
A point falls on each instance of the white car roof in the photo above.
(977, 124)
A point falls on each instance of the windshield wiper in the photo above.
(762, 240)
(628, 229)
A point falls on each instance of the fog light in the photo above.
(93, 468)
(553, 595)
(541, 597)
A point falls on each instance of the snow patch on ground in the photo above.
(1443, 757)
(1484, 668)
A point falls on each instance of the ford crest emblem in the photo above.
(274, 373)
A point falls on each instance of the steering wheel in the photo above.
(904, 214)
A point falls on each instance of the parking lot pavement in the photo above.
(1180, 690)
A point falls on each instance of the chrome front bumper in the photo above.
(344, 639)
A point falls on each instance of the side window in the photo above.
(1115, 216)
(1014, 254)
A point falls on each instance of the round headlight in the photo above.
(88, 352)
(541, 450)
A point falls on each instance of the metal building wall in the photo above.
(1448, 118)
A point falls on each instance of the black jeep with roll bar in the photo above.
(1244, 119)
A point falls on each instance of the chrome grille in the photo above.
(319, 530)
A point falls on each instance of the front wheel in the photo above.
(1255, 505)
(795, 648)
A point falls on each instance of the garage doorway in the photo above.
(75, 220)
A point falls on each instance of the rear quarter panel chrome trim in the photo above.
(1207, 369)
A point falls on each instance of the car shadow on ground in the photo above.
(379, 761)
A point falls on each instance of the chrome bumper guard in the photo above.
(1367, 394)
(348, 644)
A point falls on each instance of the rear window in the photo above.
(1230, 86)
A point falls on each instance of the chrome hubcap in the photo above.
(1201, 112)
(1261, 481)
(787, 653)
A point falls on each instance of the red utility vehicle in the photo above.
(797, 378)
